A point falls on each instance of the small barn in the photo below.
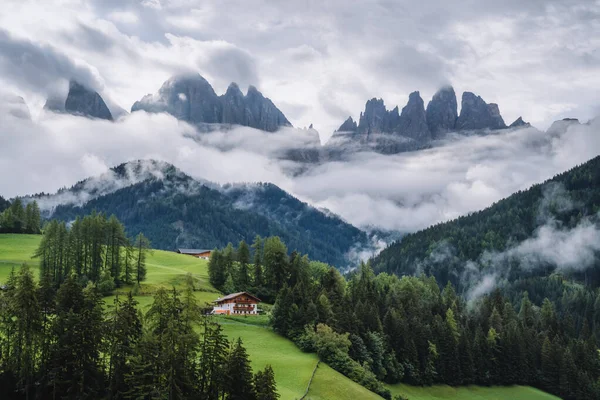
(200, 253)
(241, 303)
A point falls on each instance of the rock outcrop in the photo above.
(349, 125)
(375, 118)
(390, 132)
(262, 113)
(191, 98)
(519, 123)
(413, 122)
(442, 112)
(80, 101)
(186, 97)
(475, 114)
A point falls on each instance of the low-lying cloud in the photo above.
(403, 192)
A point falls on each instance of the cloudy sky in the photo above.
(319, 61)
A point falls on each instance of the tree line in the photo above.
(93, 248)
(383, 328)
(565, 199)
(61, 343)
(17, 218)
(260, 268)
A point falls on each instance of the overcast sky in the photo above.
(318, 60)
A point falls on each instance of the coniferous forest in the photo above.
(16, 218)
(542, 332)
(564, 201)
(61, 344)
(59, 340)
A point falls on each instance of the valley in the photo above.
(293, 368)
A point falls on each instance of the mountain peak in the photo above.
(442, 112)
(475, 113)
(413, 121)
(349, 125)
(191, 98)
(80, 101)
(519, 123)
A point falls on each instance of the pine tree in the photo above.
(75, 353)
(568, 380)
(124, 331)
(242, 280)
(239, 374)
(257, 247)
(32, 218)
(264, 384)
(214, 352)
(142, 246)
(28, 330)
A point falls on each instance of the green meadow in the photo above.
(470, 392)
(292, 367)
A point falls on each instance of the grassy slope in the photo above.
(292, 367)
(16, 250)
(439, 392)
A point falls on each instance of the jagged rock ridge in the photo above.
(475, 113)
(191, 98)
(80, 101)
(393, 131)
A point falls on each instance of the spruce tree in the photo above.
(142, 246)
(264, 384)
(239, 374)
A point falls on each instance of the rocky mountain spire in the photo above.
(262, 113)
(475, 113)
(349, 125)
(413, 122)
(188, 97)
(373, 120)
(86, 102)
(519, 123)
(80, 101)
(234, 106)
(191, 98)
(442, 112)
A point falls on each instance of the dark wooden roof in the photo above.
(234, 295)
(192, 251)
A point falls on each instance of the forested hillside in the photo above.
(378, 329)
(563, 203)
(175, 211)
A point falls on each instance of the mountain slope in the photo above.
(525, 233)
(173, 210)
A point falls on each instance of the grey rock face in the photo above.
(349, 125)
(191, 98)
(186, 97)
(374, 119)
(477, 114)
(261, 113)
(496, 117)
(442, 112)
(519, 123)
(80, 101)
(413, 122)
(234, 106)
(86, 102)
